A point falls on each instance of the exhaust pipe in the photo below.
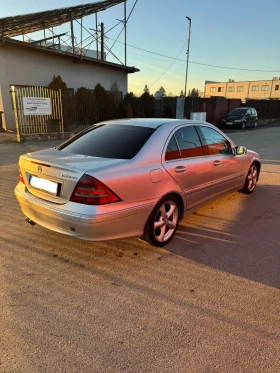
(31, 222)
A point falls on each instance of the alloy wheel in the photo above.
(166, 220)
(252, 178)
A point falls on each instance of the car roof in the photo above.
(148, 122)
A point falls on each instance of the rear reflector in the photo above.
(21, 179)
(90, 191)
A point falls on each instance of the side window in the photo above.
(172, 151)
(214, 142)
(189, 143)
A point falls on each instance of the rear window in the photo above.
(238, 111)
(109, 141)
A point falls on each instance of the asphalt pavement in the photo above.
(208, 302)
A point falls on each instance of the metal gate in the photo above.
(34, 124)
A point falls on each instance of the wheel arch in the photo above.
(180, 201)
(258, 164)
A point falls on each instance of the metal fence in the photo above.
(266, 109)
(216, 108)
(28, 124)
(70, 111)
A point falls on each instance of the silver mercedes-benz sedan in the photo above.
(132, 178)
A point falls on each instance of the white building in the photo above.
(32, 65)
(35, 63)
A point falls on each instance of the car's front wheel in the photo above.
(251, 180)
(163, 221)
(243, 125)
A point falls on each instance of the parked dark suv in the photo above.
(242, 117)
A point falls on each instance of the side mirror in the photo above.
(240, 150)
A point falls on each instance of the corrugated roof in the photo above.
(26, 23)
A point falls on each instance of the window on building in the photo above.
(231, 89)
(212, 89)
(240, 89)
(265, 88)
(255, 88)
(277, 87)
(221, 89)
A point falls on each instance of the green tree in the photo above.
(115, 86)
(162, 91)
(85, 110)
(182, 93)
(193, 93)
(57, 83)
(129, 106)
(146, 89)
(147, 104)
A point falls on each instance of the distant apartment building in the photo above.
(257, 89)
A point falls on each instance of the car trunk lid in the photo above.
(53, 175)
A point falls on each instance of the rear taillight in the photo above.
(21, 179)
(90, 191)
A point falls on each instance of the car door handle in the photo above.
(180, 169)
(217, 163)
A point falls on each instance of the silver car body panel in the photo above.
(140, 182)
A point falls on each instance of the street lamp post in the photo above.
(188, 52)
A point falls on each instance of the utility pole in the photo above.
(102, 41)
(125, 21)
(96, 35)
(72, 35)
(188, 53)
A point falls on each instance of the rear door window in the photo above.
(172, 150)
(109, 141)
(189, 142)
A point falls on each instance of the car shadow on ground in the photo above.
(242, 242)
(237, 234)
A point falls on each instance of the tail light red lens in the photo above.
(90, 191)
(21, 179)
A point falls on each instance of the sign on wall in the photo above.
(36, 106)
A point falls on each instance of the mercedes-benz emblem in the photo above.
(40, 169)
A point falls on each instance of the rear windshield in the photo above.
(109, 141)
(238, 112)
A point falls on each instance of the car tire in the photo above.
(255, 125)
(243, 125)
(163, 221)
(251, 179)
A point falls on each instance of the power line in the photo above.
(181, 63)
(198, 63)
(169, 65)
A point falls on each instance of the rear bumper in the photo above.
(126, 222)
(234, 125)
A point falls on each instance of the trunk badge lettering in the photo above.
(69, 177)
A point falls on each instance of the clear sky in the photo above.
(242, 33)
